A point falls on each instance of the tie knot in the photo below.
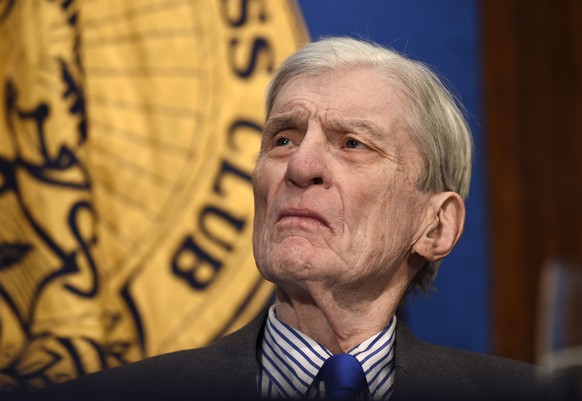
(343, 377)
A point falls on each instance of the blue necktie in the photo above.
(343, 377)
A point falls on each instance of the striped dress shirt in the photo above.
(290, 362)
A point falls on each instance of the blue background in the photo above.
(445, 35)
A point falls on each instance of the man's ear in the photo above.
(443, 226)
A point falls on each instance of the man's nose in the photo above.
(309, 164)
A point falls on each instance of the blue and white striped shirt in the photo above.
(290, 362)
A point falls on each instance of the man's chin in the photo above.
(292, 271)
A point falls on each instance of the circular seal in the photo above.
(132, 129)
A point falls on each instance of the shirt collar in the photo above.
(293, 359)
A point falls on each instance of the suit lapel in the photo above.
(239, 362)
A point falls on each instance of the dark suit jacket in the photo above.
(228, 369)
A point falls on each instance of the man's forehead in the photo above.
(363, 94)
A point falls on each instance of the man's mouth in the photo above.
(305, 215)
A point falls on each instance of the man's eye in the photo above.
(282, 141)
(352, 143)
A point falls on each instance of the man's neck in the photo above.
(338, 327)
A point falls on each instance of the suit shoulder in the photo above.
(481, 365)
(428, 369)
(506, 378)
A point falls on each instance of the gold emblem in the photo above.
(128, 134)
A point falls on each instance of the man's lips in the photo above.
(302, 214)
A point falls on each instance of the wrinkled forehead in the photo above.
(378, 76)
(364, 96)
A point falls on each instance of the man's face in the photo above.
(336, 203)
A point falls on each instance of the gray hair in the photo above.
(432, 116)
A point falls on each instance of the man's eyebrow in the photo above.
(282, 121)
(358, 126)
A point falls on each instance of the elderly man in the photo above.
(364, 164)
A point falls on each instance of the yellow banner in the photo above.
(128, 133)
